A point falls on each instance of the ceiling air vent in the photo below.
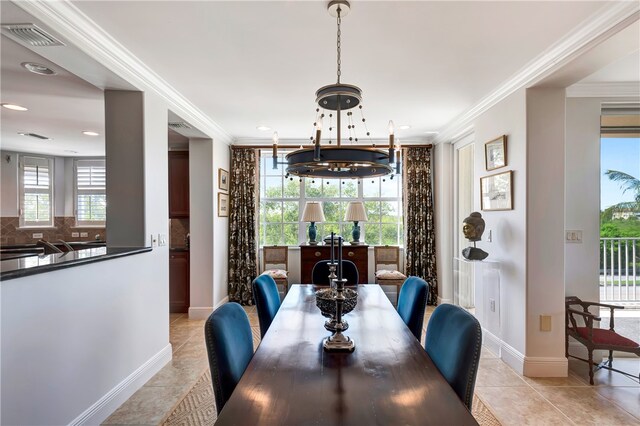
(34, 135)
(179, 125)
(31, 34)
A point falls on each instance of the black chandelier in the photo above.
(338, 161)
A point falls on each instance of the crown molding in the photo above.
(292, 142)
(80, 30)
(606, 21)
(604, 90)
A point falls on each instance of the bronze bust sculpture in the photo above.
(472, 228)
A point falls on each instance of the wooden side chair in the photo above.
(275, 263)
(387, 265)
(595, 338)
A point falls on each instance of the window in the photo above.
(36, 191)
(282, 201)
(90, 192)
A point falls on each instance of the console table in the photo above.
(310, 255)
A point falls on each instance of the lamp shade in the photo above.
(356, 212)
(313, 212)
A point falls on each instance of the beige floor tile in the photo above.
(174, 317)
(571, 380)
(253, 320)
(179, 373)
(605, 377)
(487, 353)
(627, 398)
(585, 406)
(148, 406)
(494, 372)
(521, 406)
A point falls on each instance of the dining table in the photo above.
(389, 379)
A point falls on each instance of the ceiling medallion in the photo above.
(340, 161)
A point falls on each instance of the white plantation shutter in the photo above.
(91, 199)
(36, 191)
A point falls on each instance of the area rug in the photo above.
(198, 408)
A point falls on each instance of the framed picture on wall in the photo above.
(495, 153)
(496, 192)
(223, 180)
(223, 204)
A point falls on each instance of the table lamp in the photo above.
(313, 213)
(355, 214)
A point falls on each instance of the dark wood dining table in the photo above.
(388, 380)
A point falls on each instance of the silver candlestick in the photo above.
(338, 341)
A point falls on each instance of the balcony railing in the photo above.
(619, 268)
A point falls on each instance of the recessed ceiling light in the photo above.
(90, 133)
(404, 127)
(263, 128)
(70, 151)
(38, 68)
(432, 133)
(35, 135)
(14, 107)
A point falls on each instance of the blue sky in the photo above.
(622, 154)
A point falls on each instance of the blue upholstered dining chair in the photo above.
(412, 301)
(320, 272)
(453, 341)
(227, 333)
(267, 298)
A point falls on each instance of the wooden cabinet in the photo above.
(178, 281)
(309, 255)
(178, 184)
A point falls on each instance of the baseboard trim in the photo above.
(105, 406)
(444, 301)
(492, 342)
(200, 313)
(513, 358)
(546, 366)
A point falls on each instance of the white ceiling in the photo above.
(626, 69)
(259, 63)
(60, 107)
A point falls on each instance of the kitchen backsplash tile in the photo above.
(64, 227)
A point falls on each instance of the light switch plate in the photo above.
(38, 235)
(84, 234)
(574, 236)
(162, 240)
(75, 234)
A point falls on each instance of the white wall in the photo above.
(8, 184)
(545, 194)
(221, 159)
(582, 200)
(508, 227)
(77, 342)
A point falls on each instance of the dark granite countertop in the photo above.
(21, 267)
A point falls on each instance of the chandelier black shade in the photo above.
(339, 162)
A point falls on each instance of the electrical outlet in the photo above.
(492, 305)
(75, 234)
(545, 322)
(574, 236)
(84, 234)
(38, 235)
(162, 240)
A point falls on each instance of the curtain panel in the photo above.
(243, 224)
(417, 199)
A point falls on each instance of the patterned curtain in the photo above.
(243, 224)
(417, 199)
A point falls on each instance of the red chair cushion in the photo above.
(602, 336)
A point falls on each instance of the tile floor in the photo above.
(513, 399)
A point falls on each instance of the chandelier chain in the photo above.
(338, 44)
